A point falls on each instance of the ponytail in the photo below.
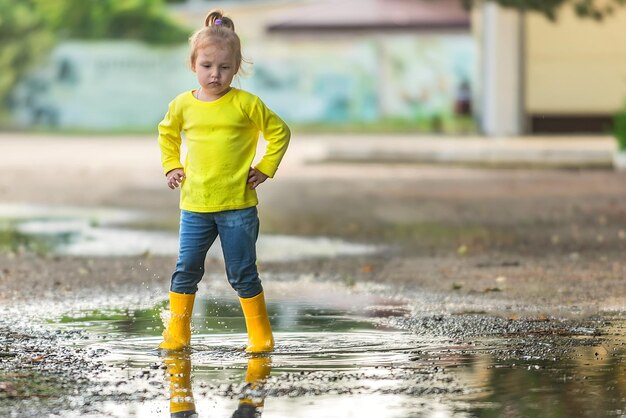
(217, 18)
(217, 28)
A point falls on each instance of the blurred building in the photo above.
(539, 76)
(416, 63)
(575, 72)
(371, 60)
(330, 63)
(102, 85)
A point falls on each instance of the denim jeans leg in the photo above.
(197, 233)
(238, 231)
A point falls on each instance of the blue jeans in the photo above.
(238, 231)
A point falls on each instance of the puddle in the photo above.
(335, 359)
(100, 232)
(335, 355)
(314, 342)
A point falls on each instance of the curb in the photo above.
(595, 152)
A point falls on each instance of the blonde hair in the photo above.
(217, 28)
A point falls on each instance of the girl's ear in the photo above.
(193, 66)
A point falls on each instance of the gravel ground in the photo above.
(542, 248)
(549, 237)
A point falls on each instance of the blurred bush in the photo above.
(592, 9)
(29, 29)
(25, 37)
(619, 129)
(143, 20)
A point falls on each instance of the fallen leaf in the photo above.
(367, 268)
(38, 359)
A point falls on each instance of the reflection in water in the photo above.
(334, 360)
(578, 376)
(251, 398)
(178, 366)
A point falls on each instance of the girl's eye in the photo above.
(225, 68)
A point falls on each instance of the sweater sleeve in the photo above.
(275, 132)
(170, 139)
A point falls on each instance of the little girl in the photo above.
(218, 196)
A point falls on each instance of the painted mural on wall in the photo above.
(103, 85)
(127, 85)
(425, 76)
(310, 83)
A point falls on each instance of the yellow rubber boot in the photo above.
(260, 338)
(179, 374)
(177, 334)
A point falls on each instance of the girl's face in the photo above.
(215, 67)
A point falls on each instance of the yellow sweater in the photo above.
(221, 141)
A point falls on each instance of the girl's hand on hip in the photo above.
(255, 177)
(175, 178)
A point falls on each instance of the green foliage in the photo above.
(29, 28)
(143, 20)
(593, 9)
(24, 37)
(619, 129)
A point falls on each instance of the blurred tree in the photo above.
(29, 28)
(24, 37)
(594, 9)
(143, 20)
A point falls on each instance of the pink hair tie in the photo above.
(218, 22)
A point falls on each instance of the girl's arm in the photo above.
(276, 133)
(170, 139)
